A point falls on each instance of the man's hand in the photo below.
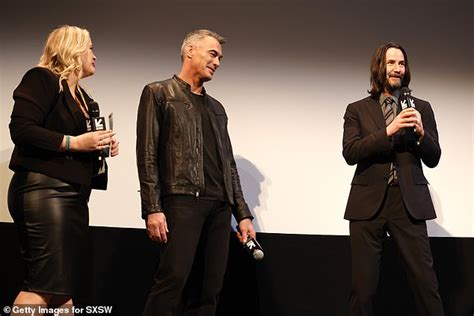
(409, 117)
(156, 227)
(114, 147)
(419, 125)
(246, 229)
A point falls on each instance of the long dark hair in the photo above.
(378, 69)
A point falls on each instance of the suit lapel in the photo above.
(375, 111)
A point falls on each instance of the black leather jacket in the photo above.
(170, 149)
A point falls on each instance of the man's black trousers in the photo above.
(193, 261)
(412, 240)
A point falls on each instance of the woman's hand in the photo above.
(92, 141)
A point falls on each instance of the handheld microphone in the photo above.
(253, 247)
(406, 101)
(97, 123)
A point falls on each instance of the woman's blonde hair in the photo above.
(63, 50)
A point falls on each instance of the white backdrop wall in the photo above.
(289, 70)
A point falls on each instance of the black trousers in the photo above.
(412, 240)
(193, 261)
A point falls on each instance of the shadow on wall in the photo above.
(255, 192)
(5, 175)
(434, 226)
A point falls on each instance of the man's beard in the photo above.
(393, 87)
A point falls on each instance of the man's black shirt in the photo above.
(213, 175)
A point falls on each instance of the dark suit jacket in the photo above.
(41, 116)
(366, 144)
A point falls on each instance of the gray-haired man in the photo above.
(189, 182)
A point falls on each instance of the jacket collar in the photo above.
(186, 85)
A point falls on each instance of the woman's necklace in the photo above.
(82, 105)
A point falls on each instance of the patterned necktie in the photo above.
(389, 112)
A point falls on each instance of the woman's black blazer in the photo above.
(42, 115)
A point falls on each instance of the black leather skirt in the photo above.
(52, 218)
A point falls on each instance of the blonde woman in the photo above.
(56, 163)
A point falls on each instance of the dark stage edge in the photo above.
(300, 275)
